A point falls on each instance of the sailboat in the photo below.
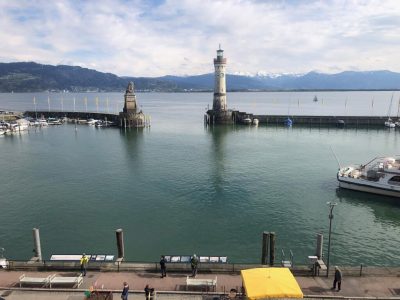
(397, 123)
(389, 123)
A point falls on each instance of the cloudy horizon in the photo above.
(156, 38)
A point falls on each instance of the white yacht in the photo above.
(389, 123)
(247, 121)
(255, 122)
(54, 121)
(91, 121)
(379, 176)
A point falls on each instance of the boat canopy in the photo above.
(265, 283)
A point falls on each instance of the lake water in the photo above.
(179, 188)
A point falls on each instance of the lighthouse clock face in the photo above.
(222, 75)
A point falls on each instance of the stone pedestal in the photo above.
(220, 117)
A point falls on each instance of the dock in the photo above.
(310, 120)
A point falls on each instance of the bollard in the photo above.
(271, 248)
(120, 243)
(320, 242)
(36, 240)
(265, 248)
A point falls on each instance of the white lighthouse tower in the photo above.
(219, 114)
(219, 100)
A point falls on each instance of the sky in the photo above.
(180, 37)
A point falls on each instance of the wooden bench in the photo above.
(43, 281)
(75, 281)
(201, 282)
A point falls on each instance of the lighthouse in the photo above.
(219, 100)
(219, 114)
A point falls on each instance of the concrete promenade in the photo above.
(174, 287)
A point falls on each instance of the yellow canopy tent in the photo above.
(263, 283)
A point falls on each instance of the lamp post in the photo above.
(331, 206)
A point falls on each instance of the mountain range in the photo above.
(34, 77)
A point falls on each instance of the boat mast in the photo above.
(398, 109)
(390, 106)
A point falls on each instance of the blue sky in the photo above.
(179, 37)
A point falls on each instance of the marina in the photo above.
(177, 178)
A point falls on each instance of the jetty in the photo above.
(353, 121)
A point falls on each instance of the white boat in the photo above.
(22, 124)
(379, 176)
(389, 123)
(100, 123)
(91, 121)
(38, 122)
(54, 121)
(247, 121)
(255, 122)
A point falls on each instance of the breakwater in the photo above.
(361, 121)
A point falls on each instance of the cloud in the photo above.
(142, 38)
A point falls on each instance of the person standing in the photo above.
(338, 279)
(149, 292)
(194, 261)
(83, 262)
(125, 292)
(163, 267)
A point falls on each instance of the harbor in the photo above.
(240, 170)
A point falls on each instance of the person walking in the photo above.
(125, 292)
(83, 262)
(338, 279)
(194, 261)
(163, 267)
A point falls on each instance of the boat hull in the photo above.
(358, 186)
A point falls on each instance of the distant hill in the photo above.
(33, 77)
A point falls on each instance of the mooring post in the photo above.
(37, 249)
(265, 248)
(271, 248)
(120, 243)
(320, 242)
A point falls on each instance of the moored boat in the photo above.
(92, 121)
(379, 176)
(54, 121)
(389, 123)
(247, 121)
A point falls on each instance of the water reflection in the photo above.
(132, 138)
(218, 160)
(385, 209)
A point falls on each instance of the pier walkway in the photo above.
(385, 286)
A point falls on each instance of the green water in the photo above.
(179, 188)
